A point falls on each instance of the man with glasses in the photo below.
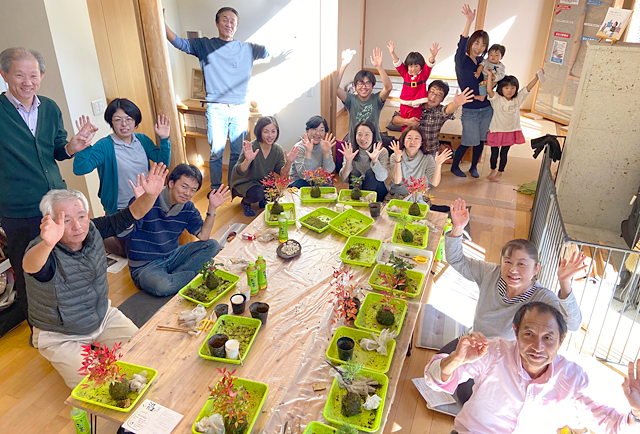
(226, 65)
(434, 113)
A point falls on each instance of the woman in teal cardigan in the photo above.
(121, 156)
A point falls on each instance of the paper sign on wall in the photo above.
(588, 38)
(557, 54)
(570, 2)
(562, 35)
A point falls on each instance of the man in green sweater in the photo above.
(32, 138)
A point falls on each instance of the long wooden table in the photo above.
(288, 353)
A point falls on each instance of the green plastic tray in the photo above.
(371, 360)
(289, 212)
(87, 394)
(414, 275)
(333, 408)
(345, 197)
(360, 221)
(254, 412)
(319, 428)
(305, 195)
(322, 213)
(366, 319)
(420, 228)
(374, 247)
(404, 205)
(231, 319)
(198, 280)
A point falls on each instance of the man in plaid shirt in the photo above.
(434, 114)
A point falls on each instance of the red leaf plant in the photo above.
(386, 299)
(342, 290)
(319, 177)
(394, 281)
(230, 400)
(417, 185)
(99, 362)
(275, 186)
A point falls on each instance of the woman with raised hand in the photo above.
(314, 151)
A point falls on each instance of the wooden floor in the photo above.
(32, 393)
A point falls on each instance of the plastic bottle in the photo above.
(440, 252)
(252, 278)
(80, 419)
(261, 264)
(283, 233)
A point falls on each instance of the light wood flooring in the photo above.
(32, 393)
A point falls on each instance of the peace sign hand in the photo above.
(249, 153)
(375, 152)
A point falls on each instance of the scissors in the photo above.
(207, 324)
(421, 259)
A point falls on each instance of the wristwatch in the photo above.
(211, 215)
(635, 419)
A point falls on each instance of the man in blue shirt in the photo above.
(226, 65)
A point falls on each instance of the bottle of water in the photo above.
(80, 419)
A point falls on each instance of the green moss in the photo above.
(351, 404)
(203, 294)
(414, 209)
(242, 333)
(356, 194)
(385, 317)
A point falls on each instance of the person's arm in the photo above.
(470, 348)
(490, 83)
(347, 57)
(90, 158)
(80, 141)
(380, 167)
(439, 159)
(289, 158)
(246, 158)
(532, 83)
(376, 60)
(155, 154)
(51, 231)
(479, 69)
(302, 161)
(434, 50)
(349, 154)
(216, 198)
(152, 185)
(396, 162)
(470, 15)
(399, 121)
(326, 145)
(459, 100)
(171, 36)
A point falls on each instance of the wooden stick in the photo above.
(172, 329)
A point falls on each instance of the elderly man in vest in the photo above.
(66, 275)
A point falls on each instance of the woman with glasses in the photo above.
(314, 151)
(123, 155)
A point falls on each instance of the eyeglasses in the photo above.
(364, 84)
(438, 95)
(319, 130)
(126, 120)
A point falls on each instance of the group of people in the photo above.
(505, 368)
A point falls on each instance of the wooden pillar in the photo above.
(157, 60)
(329, 58)
(481, 14)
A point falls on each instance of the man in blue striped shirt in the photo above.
(158, 265)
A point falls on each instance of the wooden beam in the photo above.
(328, 60)
(157, 58)
(481, 14)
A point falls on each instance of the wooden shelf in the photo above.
(194, 135)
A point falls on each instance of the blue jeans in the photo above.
(300, 183)
(225, 120)
(167, 276)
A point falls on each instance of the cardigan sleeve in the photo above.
(60, 141)
(155, 154)
(380, 168)
(90, 158)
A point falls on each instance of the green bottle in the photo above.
(440, 252)
(80, 420)
(283, 233)
(252, 278)
(261, 264)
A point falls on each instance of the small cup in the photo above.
(221, 309)
(216, 344)
(345, 348)
(339, 207)
(259, 310)
(237, 303)
(232, 348)
(246, 291)
(374, 209)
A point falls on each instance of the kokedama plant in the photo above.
(231, 401)
(317, 178)
(356, 193)
(405, 234)
(209, 277)
(398, 278)
(99, 362)
(345, 303)
(275, 187)
(415, 186)
(357, 386)
(386, 311)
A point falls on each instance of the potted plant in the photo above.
(386, 314)
(231, 401)
(415, 186)
(345, 301)
(357, 386)
(356, 181)
(318, 178)
(209, 277)
(405, 233)
(275, 187)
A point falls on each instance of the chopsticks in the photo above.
(172, 329)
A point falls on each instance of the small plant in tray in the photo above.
(415, 186)
(345, 301)
(318, 178)
(231, 401)
(356, 181)
(275, 187)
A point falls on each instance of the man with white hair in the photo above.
(33, 138)
(66, 278)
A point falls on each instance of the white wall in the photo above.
(350, 32)
(291, 90)
(60, 31)
(181, 81)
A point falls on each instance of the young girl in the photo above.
(476, 115)
(415, 75)
(493, 62)
(505, 130)
(366, 159)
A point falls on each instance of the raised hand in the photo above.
(291, 155)
(391, 47)
(375, 152)
(308, 144)
(569, 267)
(137, 187)
(435, 49)
(348, 152)
(163, 126)
(347, 56)
(443, 156)
(218, 197)
(461, 99)
(327, 143)
(51, 231)
(459, 215)
(631, 387)
(395, 147)
(86, 131)
(153, 183)
(471, 348)
(468, 13)
(249, 153)
(376, 57)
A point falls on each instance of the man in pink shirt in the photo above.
(517, 381)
